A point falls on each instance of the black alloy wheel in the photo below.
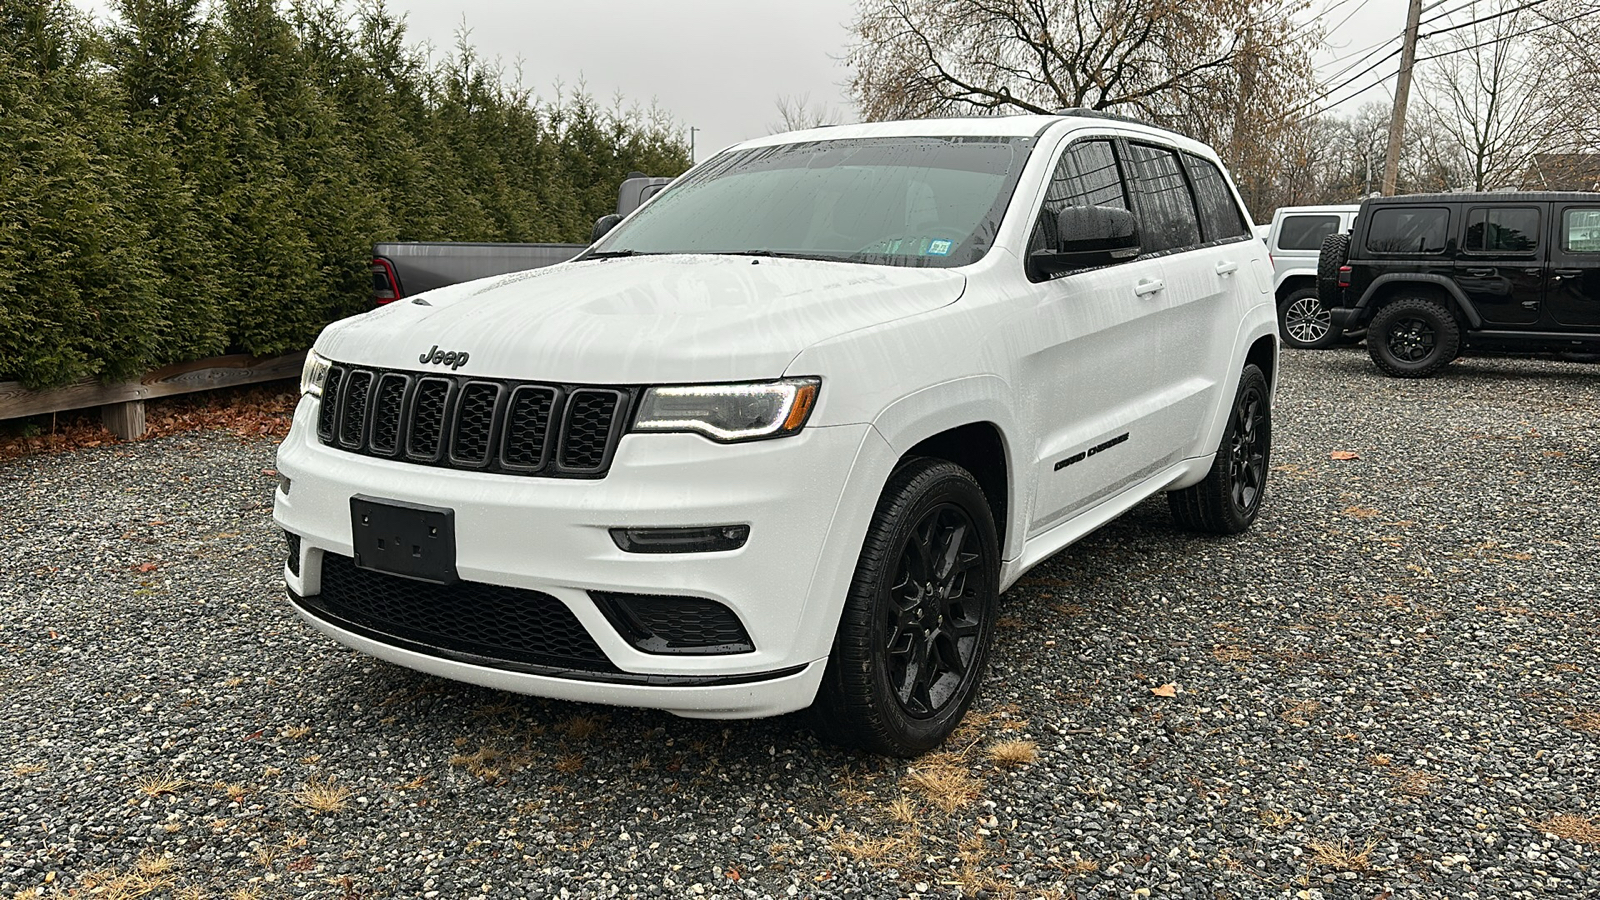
(916, 626)
(934, 617)
(1228, 499)
(1247, 450)
(1413, 337)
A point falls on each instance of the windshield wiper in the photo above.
(613, 254)
(781, 254)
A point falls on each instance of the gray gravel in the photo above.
(1389, 685)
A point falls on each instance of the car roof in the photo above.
(981, 126)
(1491, 197)
(1326, 208)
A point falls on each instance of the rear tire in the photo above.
(1229, 499)
(1413, 337)
(1304, 323)
(919, 618)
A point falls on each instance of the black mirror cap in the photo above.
(603, 225)
(1086, 237)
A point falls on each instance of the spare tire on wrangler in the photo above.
(1334, 254)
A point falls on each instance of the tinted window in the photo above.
(1306, 232)
(1502, 230)
(1220, 218)
(1086, 175)
(894, 201)
(1581, 231)
(1407, 230)
(1167, 220)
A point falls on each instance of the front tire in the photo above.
(1229, 499)
(919, 618)
(1413, 337)
(1304, 323)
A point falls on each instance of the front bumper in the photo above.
(806, 499)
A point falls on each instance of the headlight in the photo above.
(314, 373)
(730, 412)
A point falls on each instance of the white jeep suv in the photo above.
(781, 438)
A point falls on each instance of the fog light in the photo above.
(707, 539)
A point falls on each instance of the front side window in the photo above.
(1086, 175)
(1167, 218)
(1220, 216)
(1409, 230)
(1306, 232)
(1502, 230)
(900, 201)
(1581, 231)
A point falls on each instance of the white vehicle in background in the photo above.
(781, 438)
(1294, 239)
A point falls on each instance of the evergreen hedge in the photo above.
(194, 179)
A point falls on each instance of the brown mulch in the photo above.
(254, 412)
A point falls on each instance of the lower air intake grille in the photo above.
(294, 551)
(484, 620)
(680, 625)
(550, 430)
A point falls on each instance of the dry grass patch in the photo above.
(156, 785)
(297, 732)
(26, 769)
(481, 764)
(1300, 712)
(323, 796)
(1587, 721)
(1232, 654)
(903, 849)
(569, 764)
(582, 728)
(1415, 782)
(1342, 856)
(1012, 753)
(1573, 828)
(1274, 819)
(948, 787)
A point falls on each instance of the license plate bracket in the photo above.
(405, 539)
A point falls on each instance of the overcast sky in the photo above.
(720, 65)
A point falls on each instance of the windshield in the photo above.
(898, 201)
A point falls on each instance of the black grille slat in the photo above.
(587, 435)
(425, 435)
(549, 430)
(486, 620)
(388, 409)
(353, 422)
(473, 433)
(294, 551)
(680, 625)
(328, 412)
(527, 427)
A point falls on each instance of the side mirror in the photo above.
(603, 225)
(1084, 237)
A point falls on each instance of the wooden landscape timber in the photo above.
(122, 404)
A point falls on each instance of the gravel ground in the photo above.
(1387, 689)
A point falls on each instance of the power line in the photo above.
(1505, 12)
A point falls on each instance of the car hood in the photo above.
(639, 320)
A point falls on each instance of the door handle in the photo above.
(1148, 286)
(1568, 273)
(1480, 273)
(1227, 267)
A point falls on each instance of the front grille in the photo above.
(551, 430)
(667, 624)
(294, 551)
(483, 620)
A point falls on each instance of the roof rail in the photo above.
(1085, 112)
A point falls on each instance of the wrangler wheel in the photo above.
(1413, 337)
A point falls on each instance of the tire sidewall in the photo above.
(1445, 330)
(1252, 377)
(1289, 340)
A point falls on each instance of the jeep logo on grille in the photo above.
(454, 359)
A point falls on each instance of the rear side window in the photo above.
(1581, 231)
(1086, 175)
(1513, 230)
(1409, 230)
(1306, 232)
(1167, 218)
(1220, 217)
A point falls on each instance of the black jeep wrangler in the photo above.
(1431, 275)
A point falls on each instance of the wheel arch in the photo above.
(1295, 281)
(1386, 288)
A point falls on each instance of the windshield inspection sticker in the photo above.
(940, 248)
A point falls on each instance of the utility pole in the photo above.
(1402, 91)
(692, 130)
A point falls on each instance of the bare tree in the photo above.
(1485, 94)
(797, 112)
(1224, 71)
